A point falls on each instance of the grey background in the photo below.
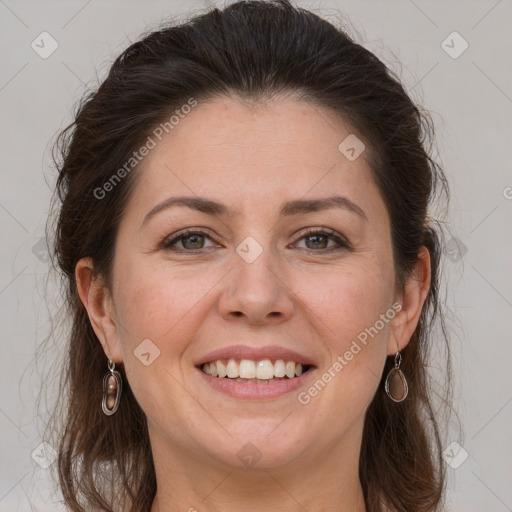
(470, 98)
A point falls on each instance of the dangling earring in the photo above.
(112, 387)
(396, 384)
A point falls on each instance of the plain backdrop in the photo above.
(469, 95)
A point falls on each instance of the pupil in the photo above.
(316, 237)
(194, 239)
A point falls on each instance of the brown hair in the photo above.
(254, 50)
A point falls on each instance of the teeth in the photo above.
(232, 369)
(279, 368)
(264, 370)
(221, 369)
(249, 371)
(254, 381)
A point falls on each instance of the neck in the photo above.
(193, 482)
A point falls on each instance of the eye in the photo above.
(317, 240)
(191, 241)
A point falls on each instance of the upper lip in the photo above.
(255, 354)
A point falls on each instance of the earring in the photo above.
(112, 387)
(396, 384)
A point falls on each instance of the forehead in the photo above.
(249, 155)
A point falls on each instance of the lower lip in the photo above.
(256, 390)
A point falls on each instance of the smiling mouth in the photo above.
(254, 371)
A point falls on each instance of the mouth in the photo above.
(255, 371)
(250, 372)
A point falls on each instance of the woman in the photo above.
(252, 273)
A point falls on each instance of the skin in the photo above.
(253, 159)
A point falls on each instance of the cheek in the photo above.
(355, 309)
(346, 305)
(161, 305)
(156, 303)
(348, 301)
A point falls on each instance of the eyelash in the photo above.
(342, 244)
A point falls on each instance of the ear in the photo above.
(97, 299)
(413, 297)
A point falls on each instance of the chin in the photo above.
(259, 448)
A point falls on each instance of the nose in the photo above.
(257, 291)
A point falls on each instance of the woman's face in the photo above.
(251, 284)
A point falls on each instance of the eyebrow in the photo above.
(295, 207)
